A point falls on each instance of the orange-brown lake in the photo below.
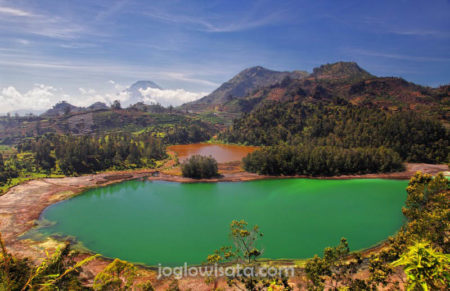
(223, 153)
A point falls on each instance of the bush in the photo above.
(199, 167)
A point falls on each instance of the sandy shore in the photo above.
(22, 205)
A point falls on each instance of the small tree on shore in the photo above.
(199, 167)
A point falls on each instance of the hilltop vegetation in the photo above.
(156, 119)
(342, 125)
(343, 80)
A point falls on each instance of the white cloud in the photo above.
(250, 19)
(13, 11)
(23, 41)
(169, 97)
(87, 91)
(42, 97)
(19, 21)
(117, 86)
(39, 97)
(188, 77)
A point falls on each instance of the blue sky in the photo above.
(85, 50)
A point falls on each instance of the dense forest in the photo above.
(87, 154)
(6, 172)
(321, 160)
(53, 154)
(342, 125)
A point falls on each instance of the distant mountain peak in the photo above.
(143, 84)
(243, 84)
(61, 108)
(134, 91)
(98, 106)
(341, 70)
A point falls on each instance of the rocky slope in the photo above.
(342, 80)
(241, 85)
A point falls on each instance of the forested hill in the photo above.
(341, 124)
(344, 80)
(173, 125)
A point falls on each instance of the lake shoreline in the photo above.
(23, 204)
(229, 173)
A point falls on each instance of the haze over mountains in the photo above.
(344, 84)
(143, 91)
(255, 85)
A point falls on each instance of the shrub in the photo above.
(199, 167)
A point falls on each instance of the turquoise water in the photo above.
(172, 223)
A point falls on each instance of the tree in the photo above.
(413, 137)
(245, 251)
(43, 155)
(116, 105)
(200, 167)
(426, 209)
(245, 240)
(335, 269)
(67, 110)
(134, 157)
(425, 268)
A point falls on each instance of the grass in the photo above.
(5, 148)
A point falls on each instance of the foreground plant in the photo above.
(119, 275)
(334, 270)
(425, 268)
(245, 251)
(58, 271)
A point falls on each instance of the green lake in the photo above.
(172, 223)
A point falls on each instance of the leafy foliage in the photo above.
(6, 172)
(321, 160)
(199, 167)
(425, 268)
(427, 209)
(343, 125)
(245, 251)
(87, 154)
(119, 275)
(58, 271)
(334, 269)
